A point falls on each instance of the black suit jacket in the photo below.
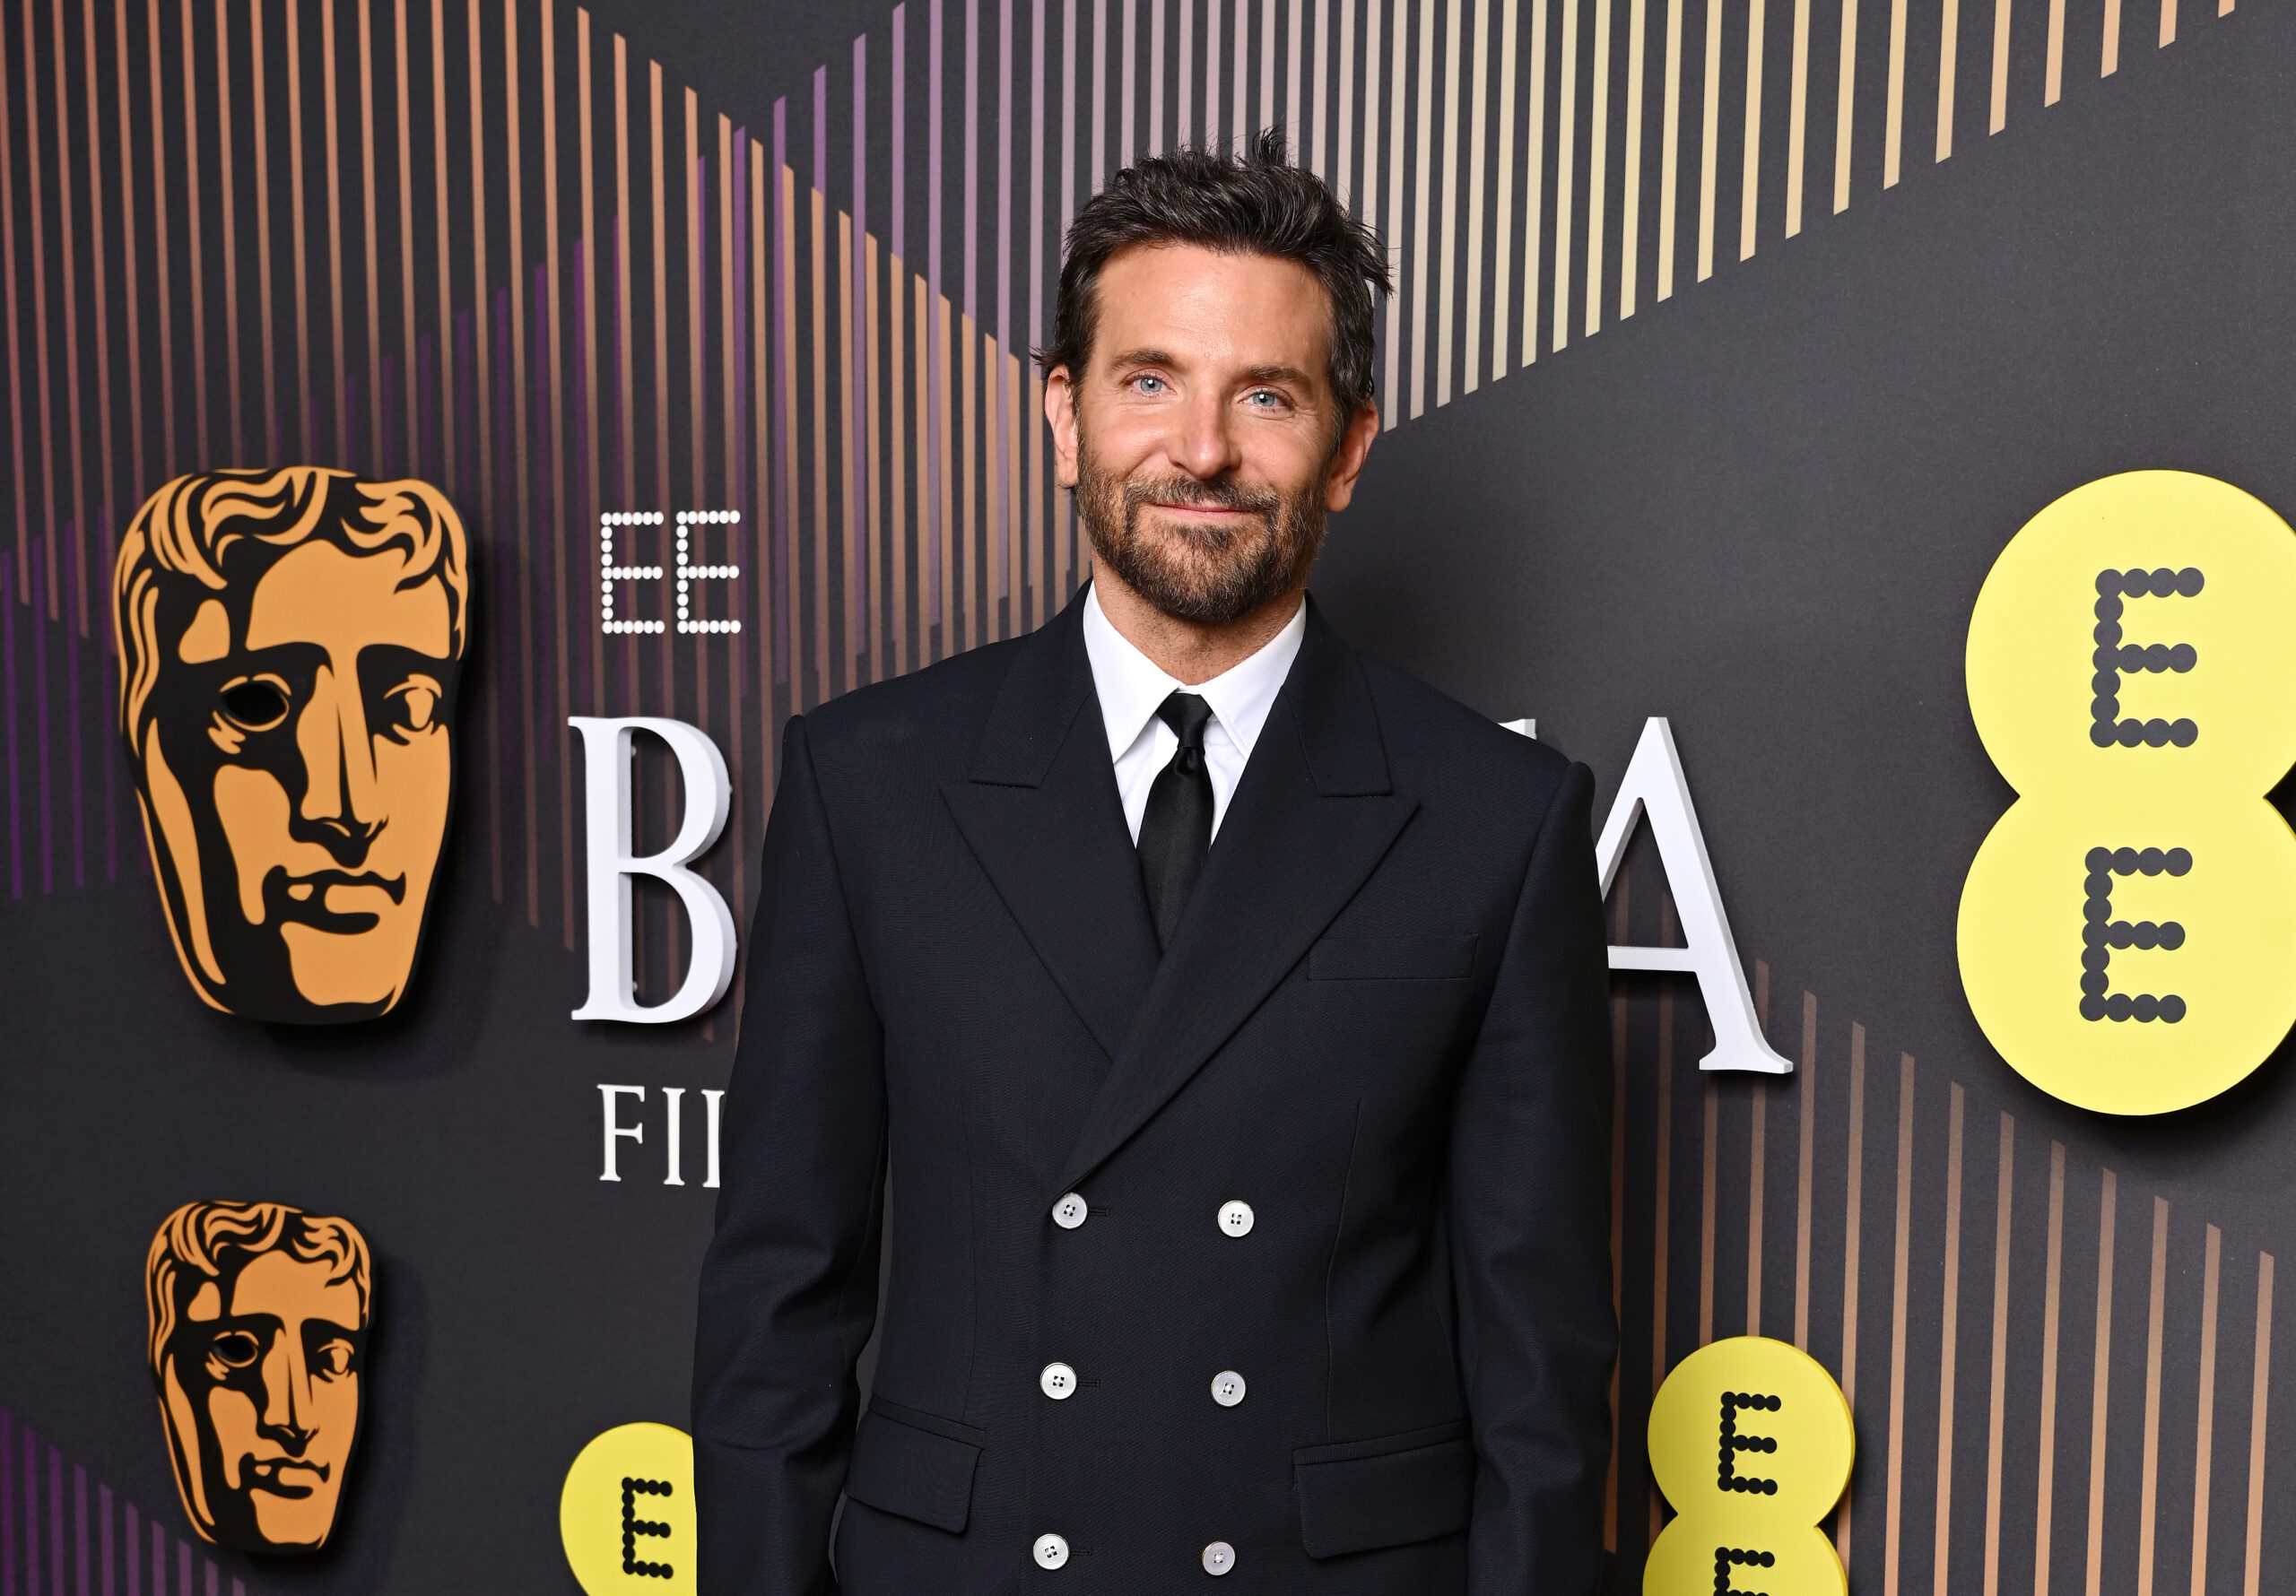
(1382, 1024)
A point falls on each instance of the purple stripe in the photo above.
(350, 428)
(1068, 111)
(72, 709)
(509, 574)
(80, 1526)
(901, 132)
(103, 1498)
(32, 1512)
(1036, 172)
(7, 1449)
(1009, 580)
(864, 621)
(40, 721)
(55, 1521)
(785, 580)
(106, 712)
(389, 412)
(933, 187)
(972, 159)
(1100, 92)
(15, 784)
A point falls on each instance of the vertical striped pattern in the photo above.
(62, 1530)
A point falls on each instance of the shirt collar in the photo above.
(1132, 688)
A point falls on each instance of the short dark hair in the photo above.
(1254, 203)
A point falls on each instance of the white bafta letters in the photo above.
(606, 749)
(1655, 786)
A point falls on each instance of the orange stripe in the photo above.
(1949, 1341)
(817, 353)
(514, 174)
(2205, 1436)
(99, 298)
(2258, 1408)
(2148, 1512)
(897, 438)
(447, 419)
(408, 357)
(1757, 1161)
(259, 98)
(1808, 1093)
(1705, 1216)
(2045, 1491)
(1854, 1203)
(132, 301)
(2100, 1390)
(1618, 1210)
(2002, 1190)
(374, 373)
(1665, 1167)
(1898, 1324)
(229, 231)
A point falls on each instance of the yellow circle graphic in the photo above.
(1751, 1443)
(2127, 929)
(626, 1515)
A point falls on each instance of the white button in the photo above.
(1052, 1552)
(1219, 1557)
(1058, 1381)
(1235, 1217)
(1227, 1387)
(1070, 1211)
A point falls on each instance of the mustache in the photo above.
(1220, 493)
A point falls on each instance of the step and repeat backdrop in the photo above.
(1861, 429)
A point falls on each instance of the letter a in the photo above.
(708, 796)
(1653, 785)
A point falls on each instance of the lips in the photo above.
(316, 900)
(284, 1477)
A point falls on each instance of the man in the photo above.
(290, 644)
(259, 1315)
(1228, 1010)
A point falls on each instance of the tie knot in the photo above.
(1187, 715)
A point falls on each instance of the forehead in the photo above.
(289, 1288)
(1204, 306)
(319, 593)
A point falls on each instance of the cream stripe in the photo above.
(2148, 1520)
(2003, 1190)
(1797, 117)
(1662, 1197)
(2100, 1390)
(2205, 1433)
(2258, 1407)
(1420, 256)
(1846, 103)
(1757, 1161)
(1448, 291)
(1630, 215)
(2053, 73)
(2111, 62)
(1710, 146)
(2000, 113)
(1482, 120)
(1894, 112)
(1504, 233)
(1535, 180)
(1397, 85)
(2167, 23)
(1598, 165)
(1750, 177)
(2052, 1299)
(1343, 140)
(1566, 149)
(1854, 1203)
(1895, 1472)
(1319, 115)
(1949, 51)
(1948, 1346)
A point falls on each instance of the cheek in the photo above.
(417, 782)
(253, 810)
(232, 1416)
(334, 1415)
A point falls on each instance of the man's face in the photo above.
(261, 1392)
(1204, 440)
(299, 766)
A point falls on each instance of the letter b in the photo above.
(606, 746)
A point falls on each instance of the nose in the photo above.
(341, 809)
(1203, 442)
(286, 1394)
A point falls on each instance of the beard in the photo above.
(1209, 575)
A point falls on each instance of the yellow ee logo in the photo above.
(626, 1515)
(1751, 1443)
(2128, 928)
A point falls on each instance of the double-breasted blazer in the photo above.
(1340, 1151)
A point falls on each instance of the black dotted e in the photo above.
(2101, 934)
(632, 1527)
(2108, 727)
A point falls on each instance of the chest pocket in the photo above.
(1393, 958)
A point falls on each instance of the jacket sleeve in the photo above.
(1529, 1206)
(790, 1285)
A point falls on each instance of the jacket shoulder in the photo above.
(929, 717)
(1433, 740)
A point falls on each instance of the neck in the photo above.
(1191, 652)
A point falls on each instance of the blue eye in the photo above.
(1149, 384)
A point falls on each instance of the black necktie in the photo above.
(1176, 827)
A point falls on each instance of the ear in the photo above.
(1347, 460)
(1060, 415)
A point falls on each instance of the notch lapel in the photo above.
(1311, 818)
(1041, 812)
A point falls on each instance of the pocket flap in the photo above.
(1392, 959)
(899, 1466)
(1391, 1491)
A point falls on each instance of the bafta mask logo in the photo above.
(290, 644)
(259, 1316)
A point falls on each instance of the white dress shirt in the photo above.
(1132, 689)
